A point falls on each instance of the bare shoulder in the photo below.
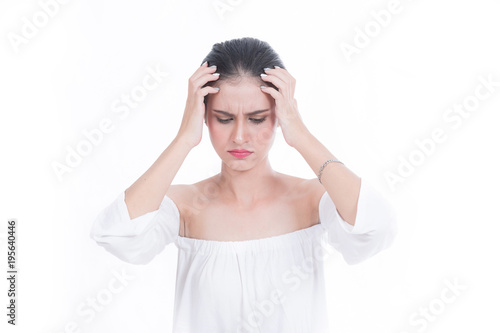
(178, 191)
(309, 192)
(310, 189)
(315, 191)
(183, 195)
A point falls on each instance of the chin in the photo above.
(237, 163)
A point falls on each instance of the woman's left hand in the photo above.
(287, 112)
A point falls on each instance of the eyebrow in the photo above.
(246, 114)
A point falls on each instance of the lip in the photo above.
(240, 153)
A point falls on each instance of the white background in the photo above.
(368, 109)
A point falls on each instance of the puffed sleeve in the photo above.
(139, 240)
(374, 229)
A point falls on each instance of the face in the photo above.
(241, 117)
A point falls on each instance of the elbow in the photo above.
(125, 253)
(134, 249)
(384, 224)
(383, 237)
(374, 242)
(375, 228)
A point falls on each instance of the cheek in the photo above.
(264, 134)
(218, 134)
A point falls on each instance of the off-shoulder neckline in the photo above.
(247, 241)
(281, 242)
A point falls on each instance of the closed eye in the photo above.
(223, 120)
(254, 120)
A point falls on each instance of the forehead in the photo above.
(241, 94)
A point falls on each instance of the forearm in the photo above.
(342, 184)
(146, 193)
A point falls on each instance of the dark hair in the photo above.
(242, 56)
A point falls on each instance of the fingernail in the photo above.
(277, 67)
(267, 68)
(263, 87)
(213, 66)
(204, 63)
(216, 74)
(263, 74)
(216, 88)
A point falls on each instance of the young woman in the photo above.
(250, 239)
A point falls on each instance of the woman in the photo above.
(250, 239)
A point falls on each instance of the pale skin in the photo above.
(247, 199)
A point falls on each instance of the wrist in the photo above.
(303, 140)
(181, 141)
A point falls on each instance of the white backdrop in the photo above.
(406, 93)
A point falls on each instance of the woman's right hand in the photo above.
(191, 127)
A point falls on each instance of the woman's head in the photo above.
(239, 64)
(241, 57)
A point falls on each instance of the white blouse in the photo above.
(273, 284)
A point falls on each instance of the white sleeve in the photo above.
(139, 240)
(374, 229)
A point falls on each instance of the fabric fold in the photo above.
(374, 229)
(137, 240)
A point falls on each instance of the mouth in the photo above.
(240, 153)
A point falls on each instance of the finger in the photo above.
(201, 81)
(283, 86)
(285, 112)
(204, 69)
(204, 92)
(208, 90)
(284, 75)
(271, 91)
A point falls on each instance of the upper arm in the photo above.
(180, 195)
(315, 191)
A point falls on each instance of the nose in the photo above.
(240, 132)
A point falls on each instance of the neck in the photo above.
(247, 186)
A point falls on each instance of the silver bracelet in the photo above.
(323, 166)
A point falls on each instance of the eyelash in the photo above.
(254, 120)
